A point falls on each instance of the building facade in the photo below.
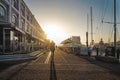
(71, 45)
(19, 30)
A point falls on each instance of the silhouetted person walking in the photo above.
(52, 65)
(52, 47)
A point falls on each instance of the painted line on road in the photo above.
(38, 56)
(48, 58)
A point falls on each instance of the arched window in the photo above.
(2, 12)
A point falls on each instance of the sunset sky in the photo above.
(61, 19)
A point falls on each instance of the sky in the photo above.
(61, 19)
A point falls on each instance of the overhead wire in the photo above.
(100, 26)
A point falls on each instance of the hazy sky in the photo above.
(71, 17)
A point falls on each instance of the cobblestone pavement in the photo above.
(62, 66)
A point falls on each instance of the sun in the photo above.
(54, 32)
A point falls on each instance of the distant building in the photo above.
(72, 41)
(72, 44)
(19, 30)
(76, 40)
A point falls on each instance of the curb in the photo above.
(17, 60)
(30, 56)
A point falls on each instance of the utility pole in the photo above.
(91, 26)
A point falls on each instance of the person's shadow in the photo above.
(52, 68)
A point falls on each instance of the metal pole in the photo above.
(87, 23)
(115, 27)
(87, 31)
(91, 27)
(87, 39)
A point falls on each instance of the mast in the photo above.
(87, 31)
(115, 38)
(115, 27)
(91, 27)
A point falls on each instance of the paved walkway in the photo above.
(112, 66)
(59, 66)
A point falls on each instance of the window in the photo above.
(7, 0)
(22, 24)
(23, 9)
(15, 3)
(27, 15)
(27, 27)
(2, 12)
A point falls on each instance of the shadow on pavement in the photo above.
(4, 66)
(52, 68)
